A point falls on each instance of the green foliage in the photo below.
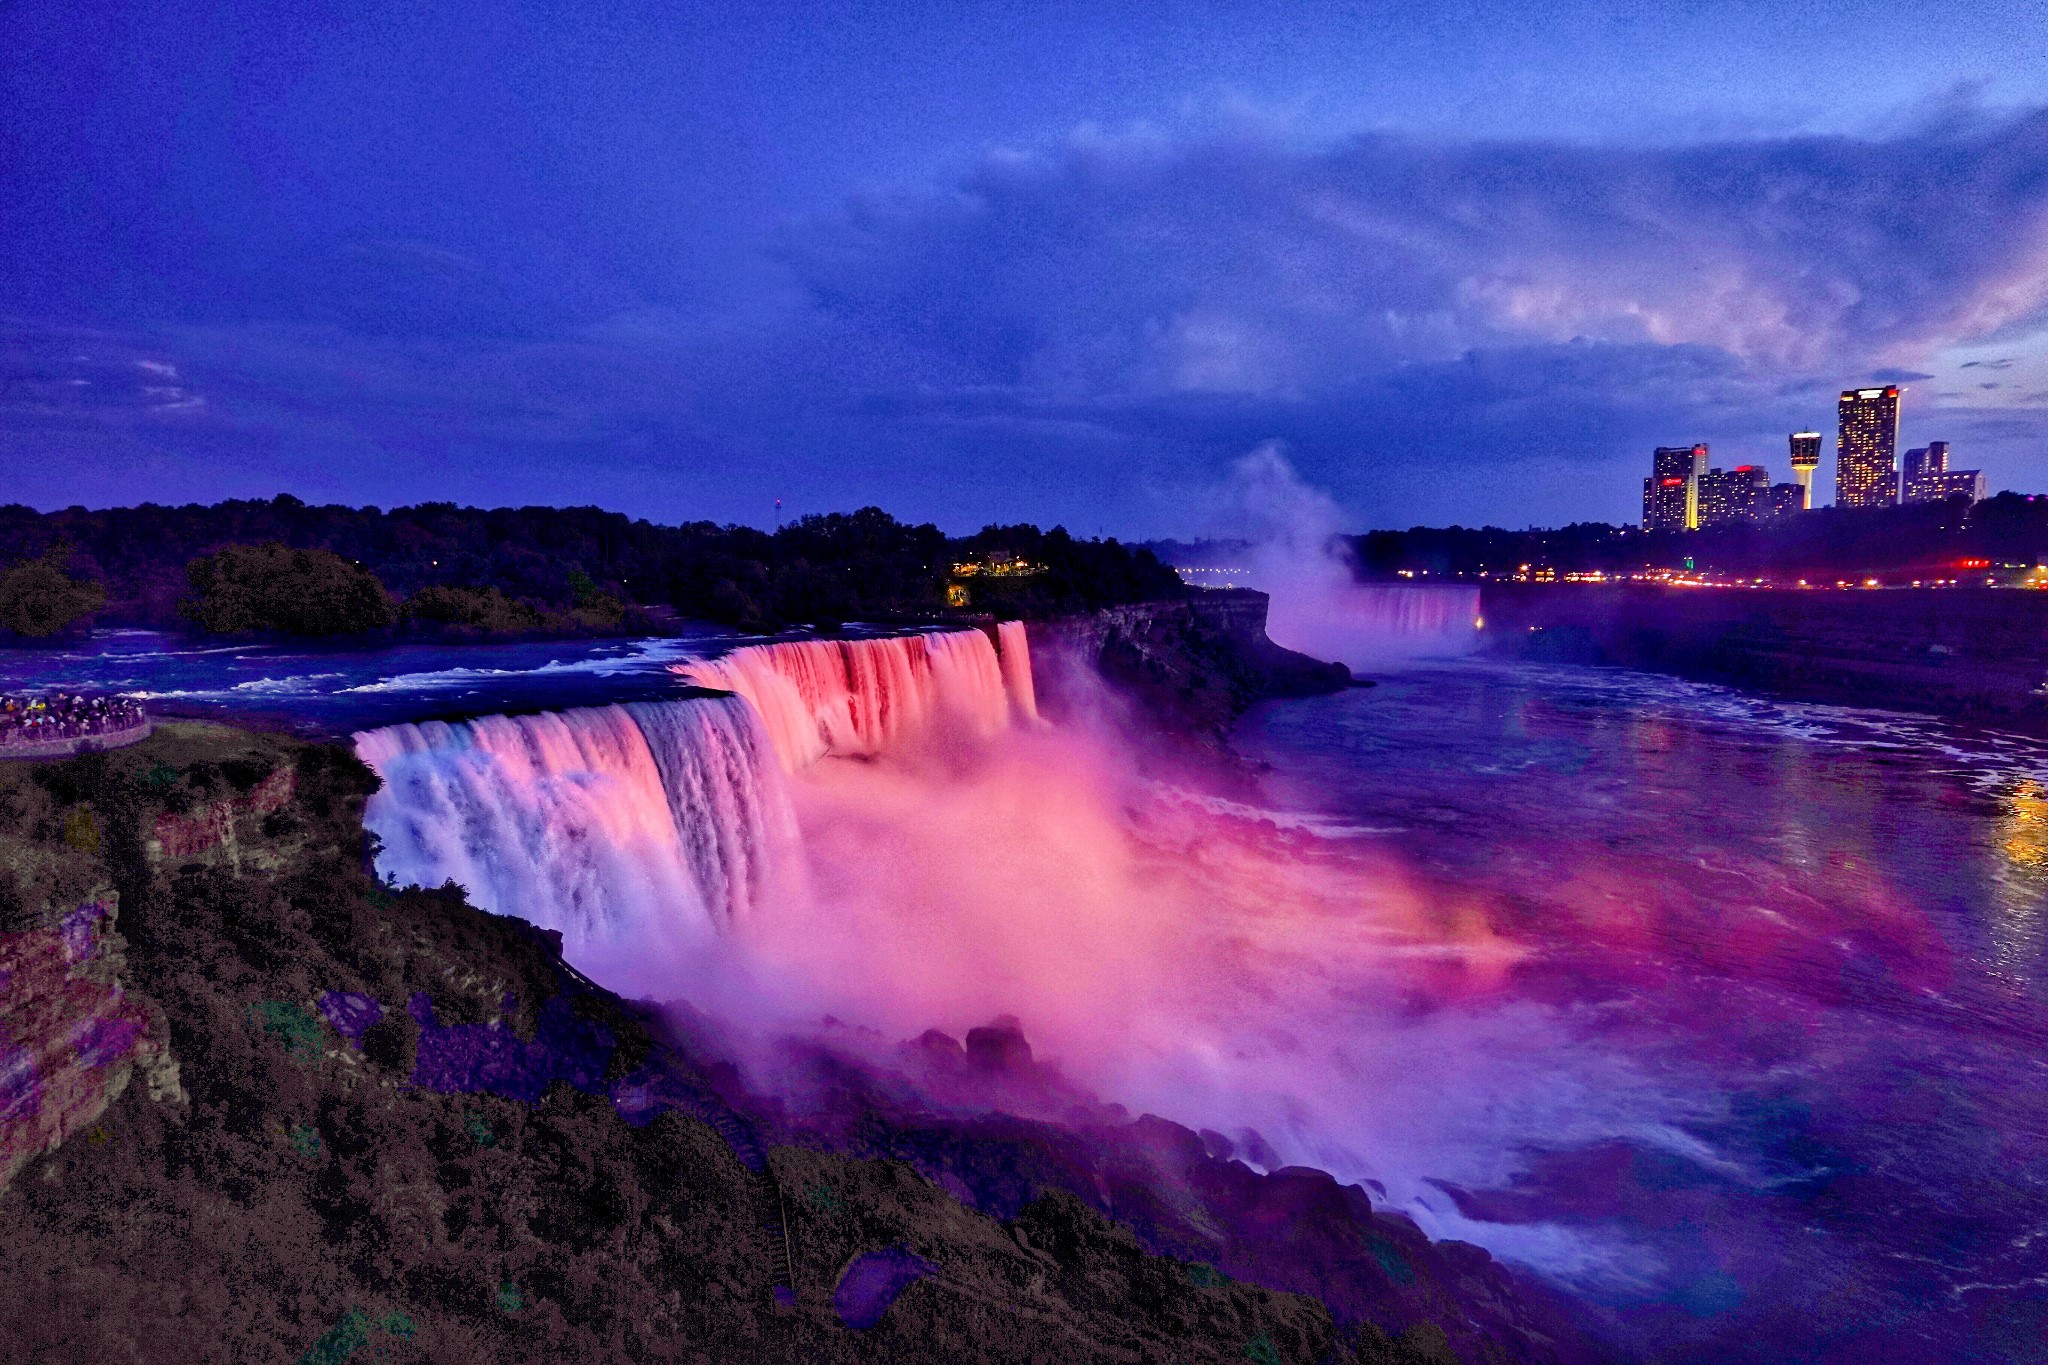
(160, 778)
(824, 1199)
(580, 569)
(484, 611)
(480, 1130)
(305, 1140)
(509, 1298)
(340, 1341)
(293, 1025)
(250, 589)
(1392, 1261)
(39, 599)
(1260, 1350)
(352, 1332)
(1074, 575)
(1204, 1276)
(82, 831)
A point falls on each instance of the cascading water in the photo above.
(852, 697)
(641, 831)
(1016, 659)
(1373, 625)
(638, 831)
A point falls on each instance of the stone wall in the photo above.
(1977, 653)
(83, 744)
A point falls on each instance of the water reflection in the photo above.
(1819, 930)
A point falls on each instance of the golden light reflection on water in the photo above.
(2023, 836)
(2025, 827)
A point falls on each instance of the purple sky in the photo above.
(1466, 262)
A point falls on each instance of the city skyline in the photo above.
(1683, 493)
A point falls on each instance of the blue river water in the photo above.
(335, 691)
(1815, 934)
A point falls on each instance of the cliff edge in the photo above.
(1189, 667)
(375, 1122)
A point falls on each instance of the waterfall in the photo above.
(848, 697)
(1426, 615)
(632, 829)
(1374, 625)
(1016, 660)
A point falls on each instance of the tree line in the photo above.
(286, 567)
(2011, 529)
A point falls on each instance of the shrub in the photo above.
(39, 599)
(246, 589)
(479, 609)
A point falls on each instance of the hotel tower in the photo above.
(1866, 451)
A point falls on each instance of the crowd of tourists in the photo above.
(61, 715)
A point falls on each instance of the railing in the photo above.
(13, 746)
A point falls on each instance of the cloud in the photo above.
(1085, 331)
(1142, 266)
(1397, 308)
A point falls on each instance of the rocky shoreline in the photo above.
(1185, 668)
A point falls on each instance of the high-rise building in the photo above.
(1866, 451)
(1732, 495)
(1671, 493)
(1931, 458)
(1782, 500)
(1929, 479)
(1805, 459)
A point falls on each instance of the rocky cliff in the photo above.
(384, 1125)
(1189, 667)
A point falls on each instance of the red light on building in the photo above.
(1973, 563)
(1673, 483)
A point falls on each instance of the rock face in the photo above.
(1977, 653)
(1190, 667)
(70, 1036)
(407, 1129)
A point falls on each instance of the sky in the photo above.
(1465, 262)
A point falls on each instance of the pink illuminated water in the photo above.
(1728, 1016)
(849, 697)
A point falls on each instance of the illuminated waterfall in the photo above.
(1016, 659)
(1436, 614)
(846, 697)
(1374, 625)
(634, 830)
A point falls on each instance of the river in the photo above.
(1725, 1014)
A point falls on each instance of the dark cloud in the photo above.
(1081, 332)
(1134, 265)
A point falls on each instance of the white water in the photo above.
(1016, 660)
(643, 831)
(865, 697)
(638, 831)
(1377, 625)
(1169, 958)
